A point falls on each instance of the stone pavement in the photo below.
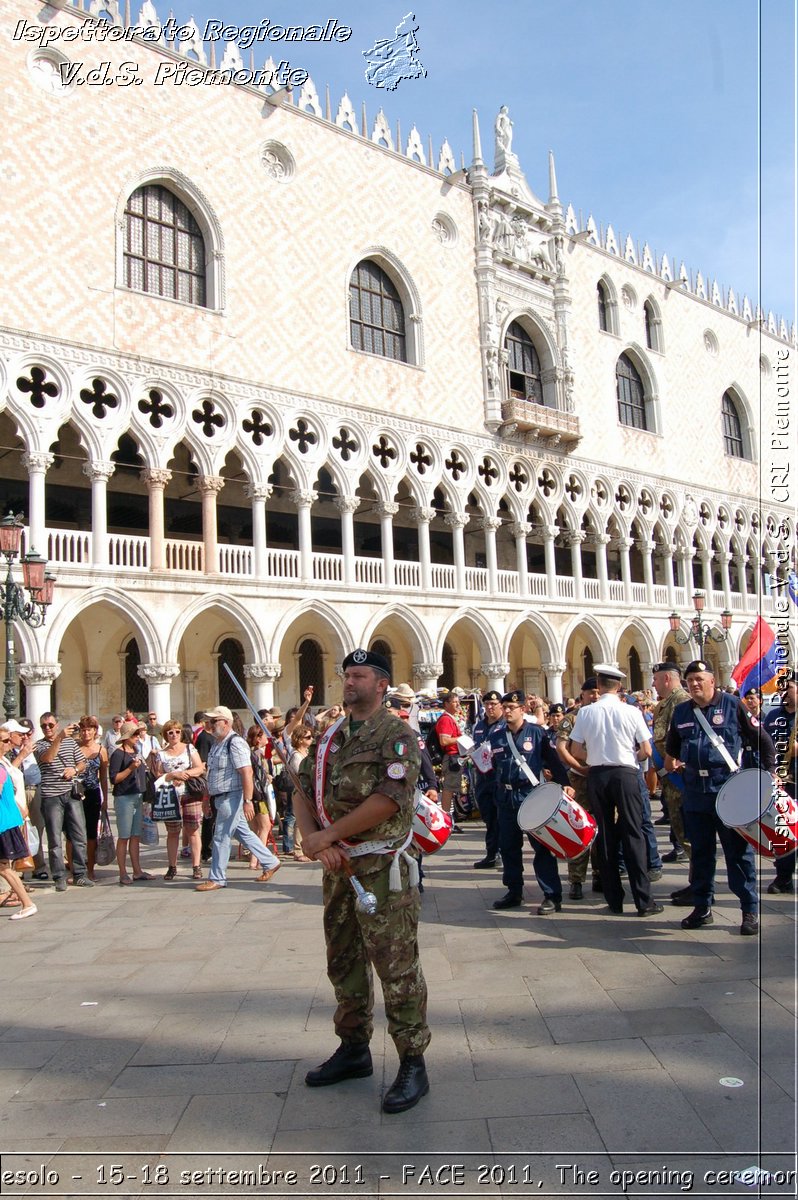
(152, 1025)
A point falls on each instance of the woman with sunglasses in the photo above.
(128, 777)
(95, 784)
(177, 762)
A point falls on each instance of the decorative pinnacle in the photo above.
(477, 142)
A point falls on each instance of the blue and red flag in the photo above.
(757, 667)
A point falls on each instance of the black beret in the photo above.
(697, 665)
(555, 708)
(516, 697)
(397, 704)
(492, 695)
(590, 684)
(666, 666)
(367, 658)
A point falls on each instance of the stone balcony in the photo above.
(549, 425)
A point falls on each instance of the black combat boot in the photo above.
(409, 1086)
(352, 1060)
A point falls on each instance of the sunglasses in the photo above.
(48, 724)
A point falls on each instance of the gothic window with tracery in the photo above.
(376, 315)
(631, 394)
(523, 365)
(164, 250)
(732, 429)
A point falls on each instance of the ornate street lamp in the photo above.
(700, 631)
(17, 606)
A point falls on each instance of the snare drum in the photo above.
(757, 806)
(557, 821)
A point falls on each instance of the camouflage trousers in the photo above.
(672, 798)
(388, 941)
(577, 867)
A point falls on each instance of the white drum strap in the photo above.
(716, 741)
(523, 764)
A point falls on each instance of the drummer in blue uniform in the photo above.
(695, 752)
(484, 782)
(513, 785)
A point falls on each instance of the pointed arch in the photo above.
(235, 610)
(144, 628)
(321, 611)
(480, 625)
(597, 633)
(422, 646)
(541, 627)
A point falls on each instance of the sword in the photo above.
(366, 901)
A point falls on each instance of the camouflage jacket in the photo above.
(662, 716)
(382, 756)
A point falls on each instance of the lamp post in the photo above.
(700, 631)
(17, 606)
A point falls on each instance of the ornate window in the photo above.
(376, 315)
(653, 323)
(631, 394)
(732, 429)
(523, 366)
(164, 250)
(602, 301)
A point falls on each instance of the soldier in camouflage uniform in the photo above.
(577, 778)
(668, 686)
(372, 764)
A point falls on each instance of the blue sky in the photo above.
(650, 106)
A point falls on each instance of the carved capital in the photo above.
(495, 670)
(92, 677)
(554, 668)
(422, 516)
(99, 470)
(549, 532)
(386, 508)
(38, 461)
(456, 520)
(521, 529)
(39, 672)
(347, 504)
(602, 539)
(428, 670)
(645, 545)
(155, 477)
(258, 491)
(260, 671)
(489, 524)
(575, 537)
(210, 485)
(158, 672)
(302, 499)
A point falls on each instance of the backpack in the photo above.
(432, 742)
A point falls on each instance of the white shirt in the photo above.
(610, 732)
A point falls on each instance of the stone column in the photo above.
(706, 574)
(645, 546)
(422, 518)
(489, 526)
(209, 486)
(667, 556)
(159, 678)
(99, 473)
(742, 563)
(92, 681)
(387, 510)
(554, 673)
(624, 545)
(347, 507)
(190, 694)
(427, 676)
(156, 479)
(724, 558)
(258, 493)
(457, 522)
(37, 464)
(304, 500)
(520, 531)
(684, 571)
(549, 534)
(495, 675)
(38, 678)
(575, 539)
(261, 688)
(600, 542)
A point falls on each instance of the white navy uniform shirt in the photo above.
(610, 732)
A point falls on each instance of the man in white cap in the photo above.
(612, 737)
(230, 785)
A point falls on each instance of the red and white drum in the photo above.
(757, 806)
(557, 821)
(431, 825)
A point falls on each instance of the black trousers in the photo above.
(617, 804)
